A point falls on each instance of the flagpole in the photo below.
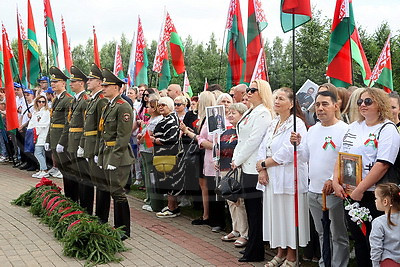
(47, 53)
(220, 59)
(296, 194)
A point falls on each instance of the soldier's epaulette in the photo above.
(85, 96)
(101, 96)
(120, 101)
(68, 95)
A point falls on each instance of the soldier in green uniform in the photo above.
(57, 138)
(76, 120)
(91, 137)
(115, 152)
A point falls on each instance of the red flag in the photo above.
(118, 68)
(205, 85)
(260, 71)
(21, 56)
(382, 72)
(67, 49)
(162, 50)
(11, 107)
(147, 140)
(96, 54)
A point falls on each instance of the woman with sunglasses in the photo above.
(40, 121)
(250, 130)
(180, 103)
(375, 138)
(142, 114)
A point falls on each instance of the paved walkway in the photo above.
(24, 241)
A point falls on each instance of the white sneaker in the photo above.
(58, 174)
(43, 174)
(147, 207)
(36, 175)
(53, 171)
(137, 182)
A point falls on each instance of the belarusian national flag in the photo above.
(382, 72)
(51, 30)
(176, 48)
(21, 54)
(235, 46)
(141, 61)
(96, 54)
(164, 75)
(67, 49)
(186, 85)
(161, 62)
(256, 23)
(32, 54)
(147, 140)
(301, 9)
(11, 107)
(1, 67)
(345, 45)
(260, 70)
(118, 68)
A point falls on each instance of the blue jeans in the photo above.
(41, 157)
(3, 139)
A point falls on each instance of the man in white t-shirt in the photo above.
(320, 148)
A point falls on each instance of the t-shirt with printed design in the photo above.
(373, 146)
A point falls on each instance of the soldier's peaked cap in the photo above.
(95, 72)
(109, 78)
(77, 74)
(57, 75)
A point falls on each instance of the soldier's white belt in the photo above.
(90, 133)
(75, 130)
(55, 125)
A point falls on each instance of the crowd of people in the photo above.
(106, 136)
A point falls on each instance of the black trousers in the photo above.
(253, 204)
(361, 242)
(71, 186)
(216, 205)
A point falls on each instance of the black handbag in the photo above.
(392, 175)
(229, 187)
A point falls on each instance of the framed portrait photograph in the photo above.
(306, 94)
(350, 171)
(216, 119)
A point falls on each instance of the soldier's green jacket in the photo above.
(117, 120)
(58, 133)
(91, 128)
(76, 121)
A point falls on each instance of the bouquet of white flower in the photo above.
(358, 214)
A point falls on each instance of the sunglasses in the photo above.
(178, 104)
(146, 95)
(162, 105)
(41, 101)
(251, 90)
(368, 101)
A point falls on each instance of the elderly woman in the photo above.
(376, 139)
(180, 103)
(146, 153)
(225, 100)
(166, 143)
(275, 167)
(40, 121)
(229, 141)
(251, 129)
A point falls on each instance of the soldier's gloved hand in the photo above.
(87, 159)
(96, 159)
(59, 148)
(80, 152)
(111, 167)
(47, 146)
(101, 167)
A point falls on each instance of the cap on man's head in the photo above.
(43, 78)
(17, 85)
(49, 90)
(28, 91)
(77, 75)
(95, 72)
(57, 75)
(109, 78)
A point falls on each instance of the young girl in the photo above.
(385, 234)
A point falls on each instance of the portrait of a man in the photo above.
(215, 118)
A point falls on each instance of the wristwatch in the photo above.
(263, 164)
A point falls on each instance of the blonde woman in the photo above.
(40, 121)
(251, 129)
(350, 113)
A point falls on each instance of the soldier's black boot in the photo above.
(86, 196)
(103, 205)
(122, 217)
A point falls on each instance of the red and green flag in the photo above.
(165, 75)
(186, 85)
(147, 140)
(118, 68)
(235, 46)
(67, 49)
(382, 72)
(345, 45)
(51, 31)
(260, 71)
(300, 9)
(176, 47)
(96, 54)
(141, 61)
(1, 67)
(32, 53)
(11, 107)
(21, 53)
(256, 23)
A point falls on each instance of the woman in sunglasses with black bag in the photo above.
(376, 139)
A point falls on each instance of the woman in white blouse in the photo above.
(276, 173)
(375, 138)
(40, 121)
(251, 129)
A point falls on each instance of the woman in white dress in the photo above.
(276, 172)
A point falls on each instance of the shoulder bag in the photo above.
(229, 187)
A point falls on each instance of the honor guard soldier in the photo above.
(57, 138)
(89, 142)
(76, 117)
(115, 153)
